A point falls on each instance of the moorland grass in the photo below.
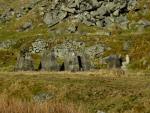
(108, 91)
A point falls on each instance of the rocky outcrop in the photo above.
(96, 51)
(69, 45)
(103, 13)
(113, 61)
(24, 61)
(75, 61)
(49, 61)
(69, 56)
(12, 12)
(7, 15)
(91, 12)
(38, 46)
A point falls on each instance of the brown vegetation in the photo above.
(17, 106)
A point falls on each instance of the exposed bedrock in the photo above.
(101, 13)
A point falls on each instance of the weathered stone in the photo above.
(84, 62)
(26, 26)
(88, 23)
(38, 46)
(68, 9)
(111, 6)
(96, 50)
(144, 23)
(71, 62)
(7, 44)
(7, 15)
(100, 24)
(75, 61)
(122, 21)
(91, 12)
(54, 17)
(24, 62)
(72, 28)
(132, 5)
(113, 61)
(99, 111)
(42, 97)
(116, 13)
(49, 61)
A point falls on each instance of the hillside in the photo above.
(103, 28)
(74, 56)
(87, 92)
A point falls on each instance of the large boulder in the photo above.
(54, 17)
(69, 56)
(113, 61)
(84, 61)
(24, 62)
(71, 62)
(49, 61)
(75, 61)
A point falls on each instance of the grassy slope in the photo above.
(102, 90)
(140, 40)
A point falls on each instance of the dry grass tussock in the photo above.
(18, 106)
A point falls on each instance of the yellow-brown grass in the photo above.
(18, 106)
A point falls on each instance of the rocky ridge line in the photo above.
(101, 13)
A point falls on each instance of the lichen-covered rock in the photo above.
(38, 46)
(71, 62)
(42, 97)
(7, 44)
(68, 45)
(26, 26)
(141, 24)
(84, 61)
(76, 61)
(72, 28)
(54, 17)
(24, 62)
(90, 12)
(7, 15)
(69, 56)
(49, 61)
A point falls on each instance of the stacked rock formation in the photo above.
(101, 13)
(71, 61)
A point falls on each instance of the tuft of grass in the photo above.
(17, 106)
